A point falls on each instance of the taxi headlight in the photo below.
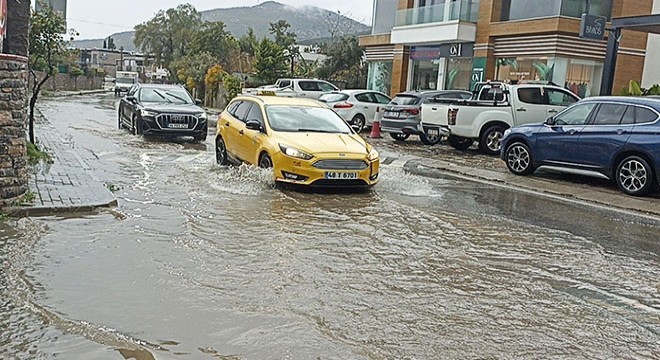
(148, 113)
(373, 155)
(293, 152)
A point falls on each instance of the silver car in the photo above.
(402, 116)
(356, 107)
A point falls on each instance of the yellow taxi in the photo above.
(304, 141)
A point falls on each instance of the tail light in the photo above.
(411, 111)
(451, 116)
(343, 106)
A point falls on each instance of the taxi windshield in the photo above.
(306, 119)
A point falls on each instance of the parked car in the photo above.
(615, 138)
(356, 107)
(494, 108)
(302, 140)
(402, 117)
(168, 110)
(305, 88)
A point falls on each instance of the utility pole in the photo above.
(121, 58)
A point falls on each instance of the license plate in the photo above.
(333, 175)
(434, 132)
(178, 126)
(391, 114)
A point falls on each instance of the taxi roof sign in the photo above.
(266, 93)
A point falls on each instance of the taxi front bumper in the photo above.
(326, 171)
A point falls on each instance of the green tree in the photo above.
(345, 63)
(249, 42)
(191, 70)
(47, 47)
(270, 63)
(286, 40)
(75, 72)
(169, 34)
(214, 39)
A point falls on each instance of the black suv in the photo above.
(166, 110)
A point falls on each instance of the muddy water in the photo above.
(204, 262)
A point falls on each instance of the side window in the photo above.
(629, 116)
(576, 115)
(609, 114)
(644, 115)
(364, 97)
(560, 98)
(255, 114)
(308, 86)
(242, 110)
(285, 83)
(325, 87)
(381, 99)
(232, 108)
(530, 96)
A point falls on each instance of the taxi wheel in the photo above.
(221, 152)
(358, 123)
(265, 161)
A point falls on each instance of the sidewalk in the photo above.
(65, 186)
(538, 185)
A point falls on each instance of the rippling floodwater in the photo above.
(205, 262)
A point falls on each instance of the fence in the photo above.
(66, 82)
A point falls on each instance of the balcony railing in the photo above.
(465, 10)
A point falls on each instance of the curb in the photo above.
(42, 211)
(535, 185)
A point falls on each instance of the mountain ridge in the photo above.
(308, 22)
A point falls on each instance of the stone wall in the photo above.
(66, 82)
(13, 114)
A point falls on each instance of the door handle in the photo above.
(366, 108)
(241, 132)
(572, 132)
(621, 131)
(521, 109)
(553, 111)
(227, 124)
(434, 109)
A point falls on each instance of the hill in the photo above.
(308, 22)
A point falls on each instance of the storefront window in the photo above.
(425, 74)
(529, 9)
(459, 74)
(582, 77)
(380, 76)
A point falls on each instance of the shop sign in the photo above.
(457, 50)
(592, 27)
(424, 53)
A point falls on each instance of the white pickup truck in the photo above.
(306, 88)
(494, 108)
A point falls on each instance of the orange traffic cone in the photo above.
(375, 126)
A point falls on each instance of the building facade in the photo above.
(451, 44)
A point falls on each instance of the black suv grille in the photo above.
(341, 164)
(176, 121)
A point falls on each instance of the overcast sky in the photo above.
(98, 19)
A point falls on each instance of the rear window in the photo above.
(406, 100)
(644, 116)
(331, 98)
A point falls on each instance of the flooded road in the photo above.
(205, 262)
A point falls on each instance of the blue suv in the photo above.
(615, 138)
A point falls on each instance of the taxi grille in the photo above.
(341, 164)
(175, 121)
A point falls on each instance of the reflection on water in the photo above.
(224, 265)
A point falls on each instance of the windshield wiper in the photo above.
(316, 131)
(162, 96)
(177, 97)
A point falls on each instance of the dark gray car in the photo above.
(402, 115)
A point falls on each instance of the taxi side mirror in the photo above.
(198, 102)
(550, 121)
(131, 99)
(254, 125)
